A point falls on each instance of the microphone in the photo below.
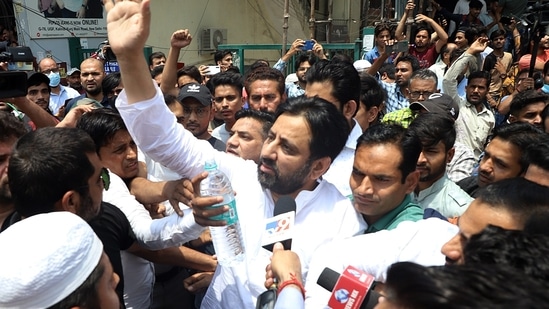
(354, 289)
(279, 228)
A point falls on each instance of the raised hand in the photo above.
(128, 24)
(181, 38)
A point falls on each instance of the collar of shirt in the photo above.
(356, 132)
(472, 107)
(388, 218)
(435, 187)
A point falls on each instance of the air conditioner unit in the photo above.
(211, 38)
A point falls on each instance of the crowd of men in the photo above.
(429, 166)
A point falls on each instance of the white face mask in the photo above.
(55, 79)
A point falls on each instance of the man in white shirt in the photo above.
(339, 84)
(507, 204)
(293, 158)
(59, 93)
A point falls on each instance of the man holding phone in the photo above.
(425, 51)
(308, 52)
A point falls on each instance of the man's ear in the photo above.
(411, 181)
(69, 202)
(320, 166)
(349, 109)
(512, 118)
(450, 155)
(372, 113)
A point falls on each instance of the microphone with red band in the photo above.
(351, 290)
(279, 228)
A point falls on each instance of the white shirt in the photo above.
(445, 197)
(340, 170)
(321, 215)
(58, 100)
(439, 68)
(289, 298)
(221, 133)
(153, 234)
(418, 242)
(138, 281)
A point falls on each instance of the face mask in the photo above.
(55, 79)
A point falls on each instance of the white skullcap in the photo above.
(291, 78)
(45, 258)
(361, 65)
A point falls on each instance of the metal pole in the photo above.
(312, 21)
(330, 25)
(285, 26)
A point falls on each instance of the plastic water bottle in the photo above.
(227, 239)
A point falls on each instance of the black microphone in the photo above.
(353, 289)
(280, 227)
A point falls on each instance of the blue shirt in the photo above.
(395, 98)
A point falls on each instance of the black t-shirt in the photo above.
(114, 230)
(470, 185)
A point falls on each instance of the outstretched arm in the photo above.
(180, 39)
(128, 26)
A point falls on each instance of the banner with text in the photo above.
(88, 21)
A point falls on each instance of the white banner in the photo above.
(56, 22)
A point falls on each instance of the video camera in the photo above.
(13, 83)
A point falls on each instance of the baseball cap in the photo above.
(196, 91)
(48, 256)
(438, 103)
(72, 71)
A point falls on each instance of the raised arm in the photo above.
(399, 32)
(180, 39)
(39, 116)
(442, 35)
(128, 26)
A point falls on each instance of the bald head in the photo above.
(92, 73)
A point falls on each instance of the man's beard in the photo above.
(285, 184)
(86, 210)
(5, 194)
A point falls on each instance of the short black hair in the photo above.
(475, 4)
(47, 163)
(371, 93)
(480, 74)
(432, 128)
(537, 153)
(191, 71)
(156, 55)
(411, 60)
(525, 98)
(220, 54)
(266, 73)
(38, 79)
(225, 79)
(341, 75)
(265, 118)
(520, 134)
(101, 124)
(390, 133)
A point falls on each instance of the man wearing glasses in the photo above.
(226, 88)
(422, 84)
(197, 112)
